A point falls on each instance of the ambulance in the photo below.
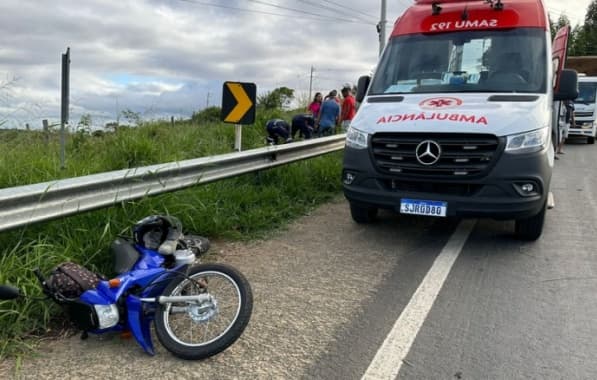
(458, 117)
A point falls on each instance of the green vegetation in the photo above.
(276, 99)
(583, 39)
(246, 207)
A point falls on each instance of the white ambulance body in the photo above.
(457, 119)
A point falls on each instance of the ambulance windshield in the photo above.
(512, 60)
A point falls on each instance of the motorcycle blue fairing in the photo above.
(148, 275)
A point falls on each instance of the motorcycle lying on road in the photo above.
(198, 310)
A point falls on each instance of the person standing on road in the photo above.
(348, 107)
(277, 129)
(565, 127)
(329, 116)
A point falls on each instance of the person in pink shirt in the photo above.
(315, 105)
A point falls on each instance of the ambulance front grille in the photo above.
(461, 155)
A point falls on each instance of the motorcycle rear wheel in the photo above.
(197, 331)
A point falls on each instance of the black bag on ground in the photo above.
(70, 280)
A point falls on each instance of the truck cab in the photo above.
(458, 117)
(584, 109)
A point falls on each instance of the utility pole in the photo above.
(207, 100)
(64, 104)
(311, 82)
(381, 26)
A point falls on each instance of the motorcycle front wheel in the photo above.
(198, 329)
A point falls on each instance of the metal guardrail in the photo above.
(24, 205)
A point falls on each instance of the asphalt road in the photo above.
(328, 292)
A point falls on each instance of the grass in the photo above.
(245, 207)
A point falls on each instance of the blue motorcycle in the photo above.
(198, 310)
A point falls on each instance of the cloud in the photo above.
(166, 57)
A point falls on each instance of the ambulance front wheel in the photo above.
(363, 214)
(530, 229)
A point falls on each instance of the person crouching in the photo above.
(277, 129)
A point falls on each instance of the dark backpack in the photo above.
(70, 280)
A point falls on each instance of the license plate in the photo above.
(428, 208)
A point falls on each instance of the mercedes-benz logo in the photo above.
(428, 152)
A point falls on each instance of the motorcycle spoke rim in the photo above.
(181, 325)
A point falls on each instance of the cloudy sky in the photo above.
(170, 57)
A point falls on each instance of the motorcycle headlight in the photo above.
(528, 142)
(107, 315)
(356, 139)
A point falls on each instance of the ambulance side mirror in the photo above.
(568, 86)
(362, 87)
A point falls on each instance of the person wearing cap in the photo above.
(276, 129)
(349, 108)
(329, 115)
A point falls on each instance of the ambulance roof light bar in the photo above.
(496, 4)
(435, 9)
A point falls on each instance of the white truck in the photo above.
(584, 109)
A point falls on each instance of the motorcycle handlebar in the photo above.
(8, 292)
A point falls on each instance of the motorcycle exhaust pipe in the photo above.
(170, 299)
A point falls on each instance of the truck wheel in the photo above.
(591, 140)
(531, 228)
(363, 214)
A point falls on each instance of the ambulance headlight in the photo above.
(528, 142)
(356, 139)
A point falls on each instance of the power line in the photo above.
(297, 10)
(319, 18)
(334, 9)
(352, 9)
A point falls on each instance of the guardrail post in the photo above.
(46, 129)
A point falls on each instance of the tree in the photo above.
(131, 116)
(276, 99)
(578, 42)
(562, 21)
(207, 115)
(5, 96)
(84, 123)
(589, 30)
(552, 28)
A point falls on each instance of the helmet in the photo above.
(150, 232)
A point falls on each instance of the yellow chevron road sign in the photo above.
(238, 102)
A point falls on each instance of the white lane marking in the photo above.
(389, 358)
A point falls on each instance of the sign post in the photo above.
(64, 104)
(238, 107)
